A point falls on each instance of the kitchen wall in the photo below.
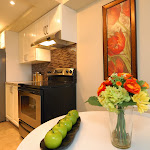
(90, 49)
(60, 58)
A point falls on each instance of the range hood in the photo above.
(52, 41)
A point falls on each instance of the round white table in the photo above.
(93, 133)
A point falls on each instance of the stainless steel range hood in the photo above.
(52, 41)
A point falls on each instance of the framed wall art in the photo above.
(119, 38)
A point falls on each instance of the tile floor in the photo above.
(9, 136)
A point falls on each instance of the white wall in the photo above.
(14, 70)
(90, 49)
(143, 39)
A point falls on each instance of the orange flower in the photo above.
(132, 86)
(113, 14)
(107, 82)
(118, 83)
(119, 65)
(111, 68)
(134, 79)
(118, 68)
(126, 8)
(101, 88)
(127, 75)
(116, 43)
(145, 85)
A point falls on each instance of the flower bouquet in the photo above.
(115, 94)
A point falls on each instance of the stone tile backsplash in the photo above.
(60, 58)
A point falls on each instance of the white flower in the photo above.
(124, 75)
(114, 74)
(109, 78)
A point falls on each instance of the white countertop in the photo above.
(93, 133)
(18, 82)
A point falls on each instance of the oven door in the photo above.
(30, 107)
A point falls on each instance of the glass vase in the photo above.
(121, 127)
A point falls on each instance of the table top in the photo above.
(93, 133)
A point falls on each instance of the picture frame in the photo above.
(119, 38)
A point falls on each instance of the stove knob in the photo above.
(70, 71)
(67, 71)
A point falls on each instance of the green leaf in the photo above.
(93, 100)
(140, 82)
(125, 104)
(143, 88)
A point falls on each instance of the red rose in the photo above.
(132, 86)
(116, 43)
(113, 14)
(118, 68)
(101, 88)
(126, 8)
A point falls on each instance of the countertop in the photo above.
(18, 82)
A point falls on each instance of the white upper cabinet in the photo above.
(2, 40)
(54, 17)
(21, 38)
(41, 26)
(30, 54)
(61, 18)
(68, 24)
(49, 23)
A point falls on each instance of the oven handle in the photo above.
(36, 92)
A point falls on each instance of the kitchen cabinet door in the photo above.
(12, 103)
(49, 23)
(31, 37)
(25, 45)
(42, 26)
(54, 17)
(15, 96)
(21, 39)
(9, 102)
(2, 40)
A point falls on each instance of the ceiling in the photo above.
(24, 12)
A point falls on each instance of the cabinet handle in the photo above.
(47, 29)
(44, 30)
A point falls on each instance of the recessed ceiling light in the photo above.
(12, 2)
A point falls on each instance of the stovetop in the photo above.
(45, 84)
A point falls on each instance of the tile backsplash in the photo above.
(60, 58)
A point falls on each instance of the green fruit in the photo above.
(53, 139)
(67, 123)
(61, 128)
(72, 118)
(74, 112)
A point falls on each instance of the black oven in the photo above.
(42, 101)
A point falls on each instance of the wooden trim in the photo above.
(133, 37)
